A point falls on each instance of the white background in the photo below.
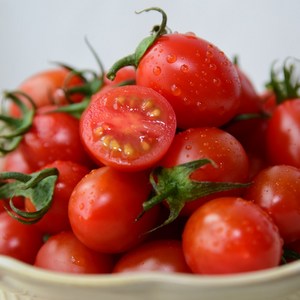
(35, 32)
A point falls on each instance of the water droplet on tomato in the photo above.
(190, 33)
(171, 58)
(216, 81)
(188, 147)
(156, 70)
(209, 53)
(176, 91)
(213, 67)
(184, 68)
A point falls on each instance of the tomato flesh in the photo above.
(128, 127)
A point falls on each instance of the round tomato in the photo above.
(18, 240)
(63, 252)
(230, 158)
(53, 136)
(104, 206)
(231, 235)
(160, 256)
(46, 88)
(70, 173)
(129, 127)
(283, 131)
(197, 78)
(277, 190)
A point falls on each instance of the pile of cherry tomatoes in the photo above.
(170, 161)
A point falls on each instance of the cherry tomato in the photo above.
(70, 174)
(250, 100)
(53, 136)
(103, 208)
(213, 143)
(160, 255)
(231, 235)
(283, 143)
(277, 190)
(46, 88)
(129, 127)
(18, 240)
(196, 77)
(63, 252)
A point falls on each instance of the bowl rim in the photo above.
(25, 272)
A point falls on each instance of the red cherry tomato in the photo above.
(160, 256)
(283, 143)
(213, 143)
(53, 136)
(277, 190)
(196, 77)
(104, 206)
(70, 174)
(18, 240)
(129, 127)
(63, 252)
(231, 235)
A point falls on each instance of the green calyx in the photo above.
(13, 128)
(92, 83)
(175, 187)
(134, 59)
(285, 82)
(38, 187)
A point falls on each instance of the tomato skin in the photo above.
(231, 235)
(103, 208)
(18, 240)
(129, 128)
(53, 136)
(63, 252)
(283, 143)
(196, 77)
(160, 255)
(124, 74)
(230, 157)
(45, 88)
(70, 174)
(250, 100)
(277, 190)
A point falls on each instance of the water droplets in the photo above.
(171, 58)
(184, 68)
(176, 91)
(156, 70)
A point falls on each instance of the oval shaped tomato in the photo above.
(104, 206)
(231, 235)
(129, 127)
(283, 131)
(53, 136)
(160, 256)
(196, 77)
(230, 158)
(70, 173)
(63, 252)
(18, 240)
(277, 190)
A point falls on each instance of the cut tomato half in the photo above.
(129, 127)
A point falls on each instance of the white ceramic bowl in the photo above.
(19, 281)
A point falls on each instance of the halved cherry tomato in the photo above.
(129, 127)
